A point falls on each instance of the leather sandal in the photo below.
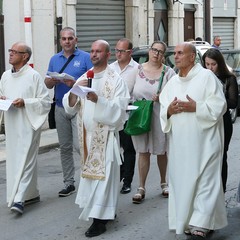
(193, 231)
(198, 232)
(139, 196)
(165, 191)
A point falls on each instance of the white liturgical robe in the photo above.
(23, 130)
(99, 186)
(195, 149)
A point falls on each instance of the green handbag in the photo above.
(139, 121)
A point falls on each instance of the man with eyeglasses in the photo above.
(127, 68)
(25, 88)
(66, 124)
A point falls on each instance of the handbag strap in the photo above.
(66, 63)
(161, 79)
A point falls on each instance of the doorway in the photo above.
(189, 29)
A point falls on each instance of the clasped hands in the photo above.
(178, 106)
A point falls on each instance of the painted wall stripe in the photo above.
(27, 19)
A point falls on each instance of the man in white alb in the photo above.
(23, 121)
(192, 108)
(101, 116)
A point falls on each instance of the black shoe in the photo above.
(32, 200)
(96, 229)
(18, 207)
(125, 189)
(68, 190)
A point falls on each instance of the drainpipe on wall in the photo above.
(2, 46)
(207, 9)
(148, 23)
(28, 27)
(59, 23)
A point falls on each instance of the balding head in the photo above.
(184, 55)
(24, 48)
(19, 55)
(190, 47)
(100, 53)
(104, 44)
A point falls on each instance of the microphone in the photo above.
(90, 76)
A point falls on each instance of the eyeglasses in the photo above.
(122, 50)
(15, 52)
(157, 51)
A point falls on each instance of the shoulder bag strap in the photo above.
(161, 79)
(62, 69)
(66, 63)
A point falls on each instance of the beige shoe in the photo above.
(139, 196)
(165, 191)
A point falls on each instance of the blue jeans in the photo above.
(67, 130)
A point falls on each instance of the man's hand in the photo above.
(173, 108)
(69, 82)
(187, 106)
(92, 96)
(51, 82)
(19, 103)
(155, 97)
(177, 106)
(83, 83)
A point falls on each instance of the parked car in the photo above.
(140, 54)
(232, 58)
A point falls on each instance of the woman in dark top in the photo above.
(213, 60)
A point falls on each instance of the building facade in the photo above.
(38, 23)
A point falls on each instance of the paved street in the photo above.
(57, 218)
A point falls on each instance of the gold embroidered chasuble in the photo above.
(93, 159)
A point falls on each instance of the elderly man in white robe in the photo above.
(192, 108)
(102, 115)
(23, 121)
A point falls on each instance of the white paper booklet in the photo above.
(81, 91)
(60, 76)
(131, 107)
(5, 104)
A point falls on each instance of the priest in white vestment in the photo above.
(23, 121)
(102, 115)
(192, 108)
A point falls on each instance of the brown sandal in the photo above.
(139, 196)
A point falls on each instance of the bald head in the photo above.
(24, 48)
(19, 55)
(103, 43)
(189, 47)
(184, 55)
(100, 53)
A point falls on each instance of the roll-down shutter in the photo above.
(103, 19)
(224, 27)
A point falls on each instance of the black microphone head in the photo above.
(90, 75)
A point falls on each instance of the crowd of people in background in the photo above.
(190, 132)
